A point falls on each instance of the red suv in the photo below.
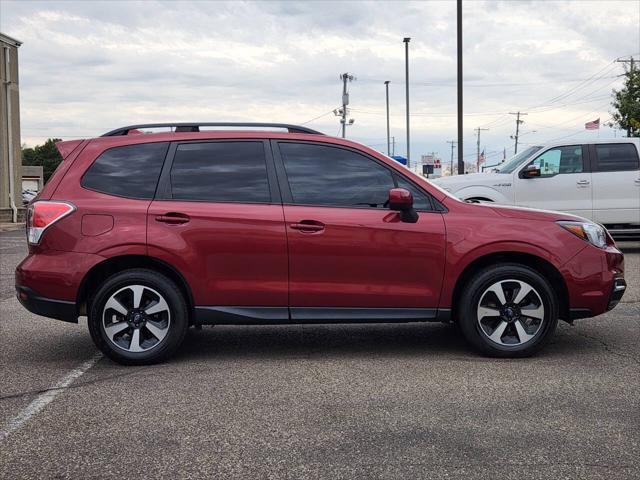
(148, 234)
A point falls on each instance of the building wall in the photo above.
(32, 174)
(9, 87)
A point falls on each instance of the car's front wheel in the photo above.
(138, 317)
(508, 310)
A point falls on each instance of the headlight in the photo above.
(590, 232)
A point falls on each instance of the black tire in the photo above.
(176, 318)
(475, 290)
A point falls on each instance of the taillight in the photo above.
(42, 214)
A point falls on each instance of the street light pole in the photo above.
(460, 124)
(478, 130)
(386, 84)
(453, 145)
(406, 79)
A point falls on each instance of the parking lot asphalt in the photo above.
(338, 401)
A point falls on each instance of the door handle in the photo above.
(637, 181)
(173, 218)
(583, 182)
(308, 226)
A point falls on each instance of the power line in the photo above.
(319, 116)
(602, 72)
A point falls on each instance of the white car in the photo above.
(599, 180)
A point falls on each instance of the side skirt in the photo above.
(210, 315)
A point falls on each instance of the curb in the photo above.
(11, 227)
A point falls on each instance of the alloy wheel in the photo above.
(510, 312)
(136, 318)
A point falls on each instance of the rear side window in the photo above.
(131, 171)
(615, 157)
(220, 172)
(322, 175)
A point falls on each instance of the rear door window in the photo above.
(616, 157)
(131, 171)
(220, 172)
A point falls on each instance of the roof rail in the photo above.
(195, 127)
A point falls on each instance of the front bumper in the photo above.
(595, 281)
(47, 307)
(619, 287)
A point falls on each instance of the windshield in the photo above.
(514, 162)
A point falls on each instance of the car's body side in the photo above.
(242, 264)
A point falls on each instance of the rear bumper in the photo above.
(47, 307)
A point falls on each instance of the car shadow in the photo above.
(347, 341)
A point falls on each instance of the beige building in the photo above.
(11, 209)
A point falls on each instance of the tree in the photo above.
(46, 155)
(627, 104)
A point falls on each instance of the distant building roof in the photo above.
(11, 41)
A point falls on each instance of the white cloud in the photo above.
(88, 67)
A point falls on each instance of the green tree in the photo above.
(46, 155)
(627, 104)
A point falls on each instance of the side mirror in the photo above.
(401, 200)
(531, 171)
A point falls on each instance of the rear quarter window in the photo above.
(130, 171)
(616, 157)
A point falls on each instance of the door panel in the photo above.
(346, 248)
(230, 254)
(219, 220)
(564, 184)
(616, 184)
(364, 258)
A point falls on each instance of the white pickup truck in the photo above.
(599, 180)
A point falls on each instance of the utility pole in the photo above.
(631, 63)
(393, 146)
(478, 130)
(406, 81)
(629, 60)
(518, 123)
(453, 145)
(386, 84)
(460, 123)
(345, 77)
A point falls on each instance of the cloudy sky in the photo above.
(88, 67)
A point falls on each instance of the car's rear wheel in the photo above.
(508, 310)
(138, 317)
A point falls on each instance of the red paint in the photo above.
(275, 255)
(229, 253)
(399, 199)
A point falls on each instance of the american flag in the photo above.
(595, 125)
(481, 159)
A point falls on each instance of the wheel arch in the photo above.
(539, 264)
(103, 270)
(483, 192)
(478, 199)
